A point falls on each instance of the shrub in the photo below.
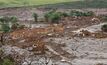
(53, 16)
(104, 28)
(13, 19)
(78, 13)
(5, 28)
(48, 14)
(3, 20)
(35, 15)
(90, 13)
(7, 19)
(64, 14)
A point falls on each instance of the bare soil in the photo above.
(66, 48)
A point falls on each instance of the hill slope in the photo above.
(81, 4)
(17, 3)
(55, 3)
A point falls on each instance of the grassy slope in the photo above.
(81, 4)
(17, 3)
(55, 3)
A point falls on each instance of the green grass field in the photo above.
(55, 3)
(18, 3)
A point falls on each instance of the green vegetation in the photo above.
(81, 4)
(7, 61)
(104, 27)
(35, 16)
(5, 23)
(7, 19)
(18, 3)
(9, 24)
(78, 13)
(53, 16)
(64, 14)
(55, 3)
(5, 28)
(13, 19)
(47, 15)
(89, 13)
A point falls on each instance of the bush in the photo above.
(78, 13)
(48, 14)
(5, 28)
(3, 20)
(64, 14)
(90, 13)
(35, 15)
(53, 16)
(7, 19)
(13, 19)
(104, 28)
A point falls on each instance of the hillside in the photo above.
(17, 3)
(81, 4)
(55, 3)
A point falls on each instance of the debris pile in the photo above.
(32, 39)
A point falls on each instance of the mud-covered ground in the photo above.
(83, 51)
(66, 49)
